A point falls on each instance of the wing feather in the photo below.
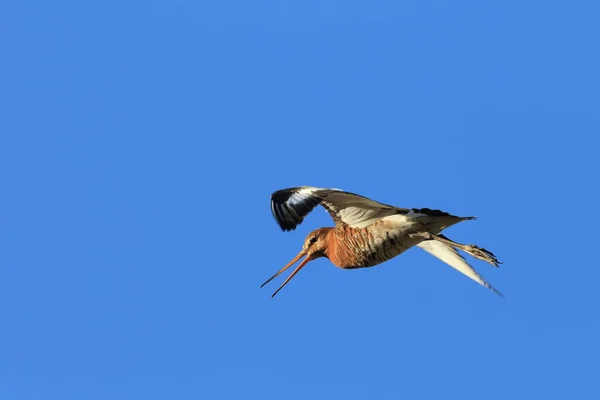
(450, 256)
(291, 206)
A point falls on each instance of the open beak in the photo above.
(302, 264)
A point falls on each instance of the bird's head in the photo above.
(315, 246)
(315, 243)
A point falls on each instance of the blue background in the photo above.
(141, 140)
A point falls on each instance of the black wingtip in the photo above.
(290, 206)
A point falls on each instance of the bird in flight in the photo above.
(368, 233)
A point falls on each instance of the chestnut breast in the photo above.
(350, 248)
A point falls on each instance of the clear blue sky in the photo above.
(141, 140)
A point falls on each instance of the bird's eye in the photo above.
(312, 240)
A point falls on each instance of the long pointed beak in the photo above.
(302, 264)
(299, 256)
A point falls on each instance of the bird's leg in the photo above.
(424, 235)
(475, 251)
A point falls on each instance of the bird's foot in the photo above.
(482, 254)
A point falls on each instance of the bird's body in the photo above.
(368, 233)
(350, 248)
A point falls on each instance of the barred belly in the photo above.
(383, 246)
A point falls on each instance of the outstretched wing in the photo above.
(450, 256)
(290, 206)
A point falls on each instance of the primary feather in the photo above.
(291, 206)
